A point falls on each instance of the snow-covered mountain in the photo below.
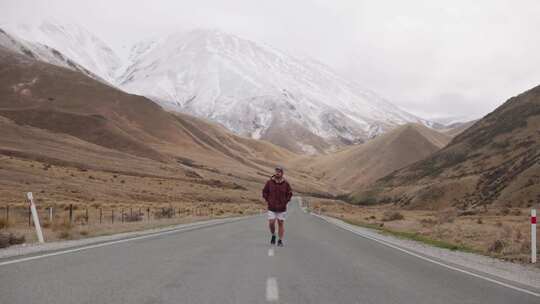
(74, 42)
(252, 89)
(41, 52)
(258, 91)
(453, 120)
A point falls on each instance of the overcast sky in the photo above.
(432, 58)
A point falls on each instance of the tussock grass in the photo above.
(492, 234)
(389, 216)
(414, 236)
(4, 240)
(8, 239)
(64, 234)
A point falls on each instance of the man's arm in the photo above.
(289, 192)
(266, 191)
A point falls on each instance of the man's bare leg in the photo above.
(281, 229)
(272, 226)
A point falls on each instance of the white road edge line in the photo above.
(271, 252)
(188, 227)
(272, 292)
(428, 259)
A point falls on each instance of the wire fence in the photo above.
(18, 216)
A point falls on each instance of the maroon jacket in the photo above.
(277, 195)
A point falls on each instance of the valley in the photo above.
(196, 122)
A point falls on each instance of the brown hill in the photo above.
(362, 164)
(52, 116)
(495, 161)
(287, 134)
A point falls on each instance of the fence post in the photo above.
(29, 217)
(148, 213)
(87, 218)
(122, 215)
(112, 216)
(35, 216)
(100, 215)
(7, 215)
(51, 214)
(131, 212)
(533, 236)
(70, 214)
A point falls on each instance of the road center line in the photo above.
(272, 292)
(271, 252)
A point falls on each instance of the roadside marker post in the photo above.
(35, 217)
(533, 235)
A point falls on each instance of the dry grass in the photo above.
(389, 216)
(61, 229)
(183, 200)
(63, 235)
(8, 239)
(3, 224)
(4, 240)
(504, 235)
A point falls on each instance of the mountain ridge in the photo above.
(249, 87)
(495, 161)
(54, 116)
(73, 41)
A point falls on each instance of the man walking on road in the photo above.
(277, 193)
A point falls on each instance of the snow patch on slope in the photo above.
(41, 52)
(74, 41)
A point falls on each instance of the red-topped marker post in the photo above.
(533, 236)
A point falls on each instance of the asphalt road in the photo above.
(233, 263)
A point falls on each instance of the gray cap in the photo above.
(279, 169)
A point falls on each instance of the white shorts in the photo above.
(277, 215)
